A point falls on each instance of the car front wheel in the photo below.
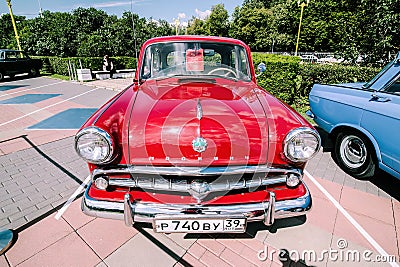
(354, 154)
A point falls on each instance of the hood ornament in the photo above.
(199, 144)
(199, 189)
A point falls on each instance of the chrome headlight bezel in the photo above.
(292, 135)
(98, 133)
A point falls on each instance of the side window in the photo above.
(11, 55)
(146, 65)
(152, 63)
(239, 60)
(21, 55)
(394, 88)
(1, 55)
(243, 62)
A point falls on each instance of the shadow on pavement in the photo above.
(284, 257)
(253, 228)
(381, 179)
(155, 241)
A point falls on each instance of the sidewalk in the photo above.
(118, 84)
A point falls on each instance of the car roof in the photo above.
(182, 38)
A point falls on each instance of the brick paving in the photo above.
(38, 176)
(36, 180)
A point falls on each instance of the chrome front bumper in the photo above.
(132, 211)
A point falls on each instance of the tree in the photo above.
(217, 24)
(196, 27)
(7, 35)
(253, 26)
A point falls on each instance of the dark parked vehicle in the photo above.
(14, 62)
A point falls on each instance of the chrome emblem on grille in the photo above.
(199, 144)
(199, 189)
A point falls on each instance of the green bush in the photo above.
(280, 77)
(291, 81)
(57, 65)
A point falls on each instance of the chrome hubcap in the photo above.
(353, 151)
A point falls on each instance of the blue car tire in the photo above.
(355, 154)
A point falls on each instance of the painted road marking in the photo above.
(356, 225)
(55, 104)
(62, 120)
(27, 99)
(72, 198)
(10, 87)
(13, 93)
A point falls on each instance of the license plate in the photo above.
(195, 225)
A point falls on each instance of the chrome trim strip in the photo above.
(146, 212)
(195, 171)
(199, 110)
(184, 187)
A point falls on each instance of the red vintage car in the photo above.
(194, 145)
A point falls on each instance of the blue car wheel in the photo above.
(355, 155)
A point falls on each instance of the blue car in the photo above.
(363, 120)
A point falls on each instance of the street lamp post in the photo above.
(302, 5)
(177, 24)
(13, 23)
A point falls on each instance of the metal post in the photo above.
(13, 23)
(177, 23)
(302, 5)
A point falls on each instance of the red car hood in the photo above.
(168, 115)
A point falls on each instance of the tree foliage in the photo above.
(348, 28)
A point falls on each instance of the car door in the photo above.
(10, 61)
(382, 119)
(23, 62)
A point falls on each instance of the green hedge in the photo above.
(57, 65)
(281, 75)
(292, 81)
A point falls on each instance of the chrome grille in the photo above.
(179, 179)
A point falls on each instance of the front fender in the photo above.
(342, 126)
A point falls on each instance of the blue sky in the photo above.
(157, 9)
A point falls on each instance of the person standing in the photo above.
(108, 65)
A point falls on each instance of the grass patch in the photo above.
(57, 76)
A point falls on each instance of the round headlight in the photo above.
(301, 144)
(94, 145)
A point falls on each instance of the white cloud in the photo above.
(181, 15)
(203, 14)
(111, 4)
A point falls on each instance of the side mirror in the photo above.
(261, 67)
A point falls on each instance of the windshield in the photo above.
(195, 59)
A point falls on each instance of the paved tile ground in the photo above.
(36, 176)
